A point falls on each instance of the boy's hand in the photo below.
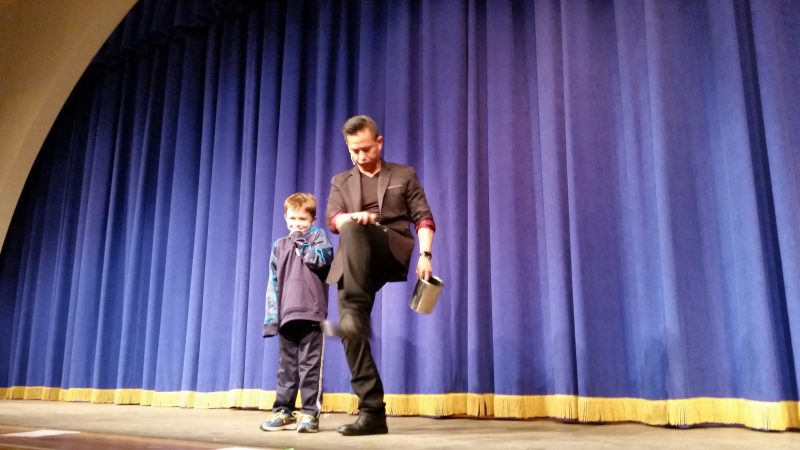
(297, 238)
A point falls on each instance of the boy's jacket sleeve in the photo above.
(272, 306)
(315, 249)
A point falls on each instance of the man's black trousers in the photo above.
(368, 262)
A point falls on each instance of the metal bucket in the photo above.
(425, 295)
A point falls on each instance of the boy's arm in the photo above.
(315, 248)
(271, 315)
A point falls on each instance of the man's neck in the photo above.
(371, 173)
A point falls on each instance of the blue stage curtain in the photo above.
(615, 186)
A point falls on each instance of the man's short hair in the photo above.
(358, 123)
(301, 201)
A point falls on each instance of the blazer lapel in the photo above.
(354, 186)
(383, 183)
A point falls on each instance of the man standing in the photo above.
(372, 207)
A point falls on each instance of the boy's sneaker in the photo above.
(307, 424)
(279, 421)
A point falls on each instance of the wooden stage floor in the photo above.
(91, 426)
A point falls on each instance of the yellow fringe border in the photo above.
(775, 416)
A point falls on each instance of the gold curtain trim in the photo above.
(775, 416)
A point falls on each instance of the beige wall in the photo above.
(45, 46)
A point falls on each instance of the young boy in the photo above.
(296, 304)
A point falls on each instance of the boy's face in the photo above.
(298, 220)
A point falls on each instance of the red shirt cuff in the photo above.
(332, 223)
(427, 223)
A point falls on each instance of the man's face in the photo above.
(365, 149)
(298, 220)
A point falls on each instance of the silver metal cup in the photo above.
(425, 295)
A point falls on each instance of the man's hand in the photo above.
(424, 268)
(361, 217)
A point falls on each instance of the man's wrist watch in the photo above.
(426, 254)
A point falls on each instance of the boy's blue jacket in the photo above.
(295, 290)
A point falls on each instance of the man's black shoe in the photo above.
(365, 424)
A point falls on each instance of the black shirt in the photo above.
(369, 194)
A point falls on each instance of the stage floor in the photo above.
(144, 427)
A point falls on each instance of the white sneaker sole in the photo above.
(290, 426)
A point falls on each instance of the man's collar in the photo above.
(380, 169)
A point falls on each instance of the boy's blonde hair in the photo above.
(301, 201)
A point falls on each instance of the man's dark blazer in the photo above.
(401, 201)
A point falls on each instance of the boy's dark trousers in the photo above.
(300, 367)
